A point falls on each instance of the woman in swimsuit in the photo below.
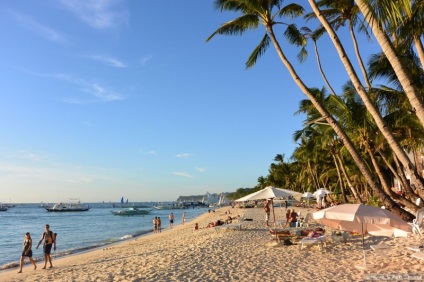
(27, 252)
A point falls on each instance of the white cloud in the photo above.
(200, 169)
(40, 29)
(99, 14)
(107, 61)
(184, 155)
(88, 124)
(97, 92)
(151, 152)
(183, 174)
(144, 60)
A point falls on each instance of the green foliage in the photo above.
(241, 192)
(373, 201)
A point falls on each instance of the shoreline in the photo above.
(217, 254)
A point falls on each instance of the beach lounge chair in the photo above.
(380, 247)
(416, 248)
(418, 256)
(338, 237)
(320, 241)
(418, 223)
(308, 220)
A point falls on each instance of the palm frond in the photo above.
(237, 26)
(291, 10)
(259, 51)
(294, 36)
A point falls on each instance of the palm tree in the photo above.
(255, 12)
(368, 102)
(314, 35)
(338, 13)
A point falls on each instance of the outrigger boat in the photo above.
(74, 205)
(130, 212)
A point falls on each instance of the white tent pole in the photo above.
(273, 215)
(363, 243)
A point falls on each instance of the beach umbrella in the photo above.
(321, 192)
(307, 195)
(362, 219)
(269, 192)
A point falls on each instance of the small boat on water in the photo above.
(130, 212)
(74, 205)
(3, 208)
(170, 206)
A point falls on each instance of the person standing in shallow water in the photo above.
(159, 224)
(183, 218)
(27, 252)
(49, 239)
(171, 220)
(155, 224)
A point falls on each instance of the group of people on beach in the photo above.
(49, 239)
(291, 214)
(157, 222)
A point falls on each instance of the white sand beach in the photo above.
(251, 254)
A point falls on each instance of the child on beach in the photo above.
(27, 252)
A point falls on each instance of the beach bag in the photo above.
(287, 242)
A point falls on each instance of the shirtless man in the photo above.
(49, 239)
(171, 220)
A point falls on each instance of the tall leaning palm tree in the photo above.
(267, 12)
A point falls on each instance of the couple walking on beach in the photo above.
(157, 224)
(49, 239)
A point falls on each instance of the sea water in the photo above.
(76, 231)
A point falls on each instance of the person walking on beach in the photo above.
(49, 239)
(171, 220)
(159, 224)
(183, 218)
(155, 225)
(27, 252)
(267, 211)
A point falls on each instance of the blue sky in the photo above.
(103, 99)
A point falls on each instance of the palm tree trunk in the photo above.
(393, 143)
(358, 56)
(420, 50)
(313, 176)
(349, 183)
(340, 179)
(401, 169)
(321, 70)
(399, 175)
(386, 187)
